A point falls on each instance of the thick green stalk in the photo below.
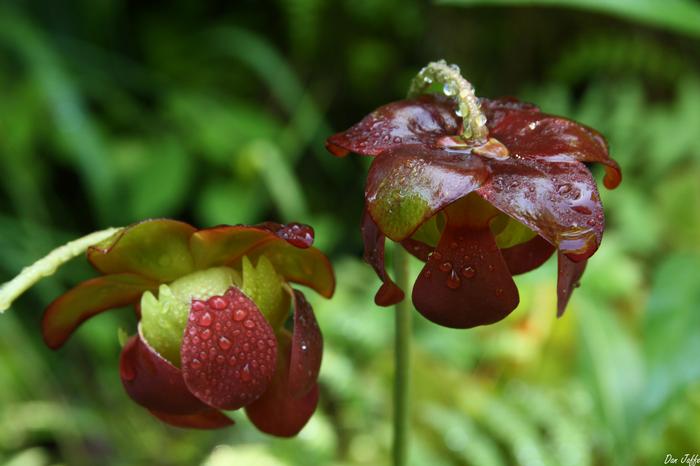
(402, 361)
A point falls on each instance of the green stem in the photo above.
(402, 360)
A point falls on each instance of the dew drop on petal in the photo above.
(453, 281)
(468, 271)
(204, 320)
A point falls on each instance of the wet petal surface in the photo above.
(90, 297)
(465, 282)
(151, 381)
(277, 411)
(569, 274)
(416, 121)
(557, 199)
(157, 249)
(228, 350)
(307, 348)
(374, 241)
(408, 185)
(527, 256)
(531, 134)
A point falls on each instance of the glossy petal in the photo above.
(527, 256)
(465, 282)
(306, 350)
(207, 419)
(408, 185)
(417, 121)
(277, 412)
(228, 350)
(528, 133)
(291, 257)
(156, 249)
(557, 199)
(569, 274)
(374, 240)
(153, 382)
(296, 234)
(90, 297)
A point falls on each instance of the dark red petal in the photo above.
(157, 249)
(228, 350)
(277, 412)
(528, 133)
(88, 298)
(569, 274)
(416, 121)
(296, 234)
(557, 199)
(408, 185)
(374, 240)
(307, 348)
(153, 382)
(527, 256)
(207, 419)
(465, 282)
(418, 249)
(291, 257)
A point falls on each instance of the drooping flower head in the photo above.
(479, 190)
(213, 306)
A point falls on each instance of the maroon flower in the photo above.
(478, 201)
(212, 306)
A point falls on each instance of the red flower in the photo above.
(480, 206)
(214, 338)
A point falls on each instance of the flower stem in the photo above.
(402, 360)
(47, 265)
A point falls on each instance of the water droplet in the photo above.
(446, 266)
(449, 89)
(453, 281)
(564, 188)
(245, 373)
(397, 140)
(246, 347)
(239, 315)
(304, 346)
(436, 255)
(198, 306)
(232, 361)
(428, 273)
(249, 324)
(220, 359)
(468, 271)
(206, 334)
(196, 364)
(491, 268)
(204, 320)
(217, 302)
(499, 291)
(459, 113)
(224, 343)
(270, 342)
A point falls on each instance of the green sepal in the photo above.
(263, 285)
(163, 319)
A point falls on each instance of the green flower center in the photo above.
(164, 318)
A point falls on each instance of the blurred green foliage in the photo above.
(216, 112)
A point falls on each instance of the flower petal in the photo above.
(153, 382)
(88, 298)
(289, 253)
(408, 185)
(416, 121)
(307, 348)
(389, 293)
(530, 133)
(465, 282)
(527, 256)
(296, 234)
(206, 419)
(569, 274)
(157, 249)
(557, 199)
(277, 411)
(228, 350)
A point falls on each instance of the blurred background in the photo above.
(216, 112)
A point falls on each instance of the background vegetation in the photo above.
(215, 112)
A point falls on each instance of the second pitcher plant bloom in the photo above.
(479, 190)
(213, 306)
